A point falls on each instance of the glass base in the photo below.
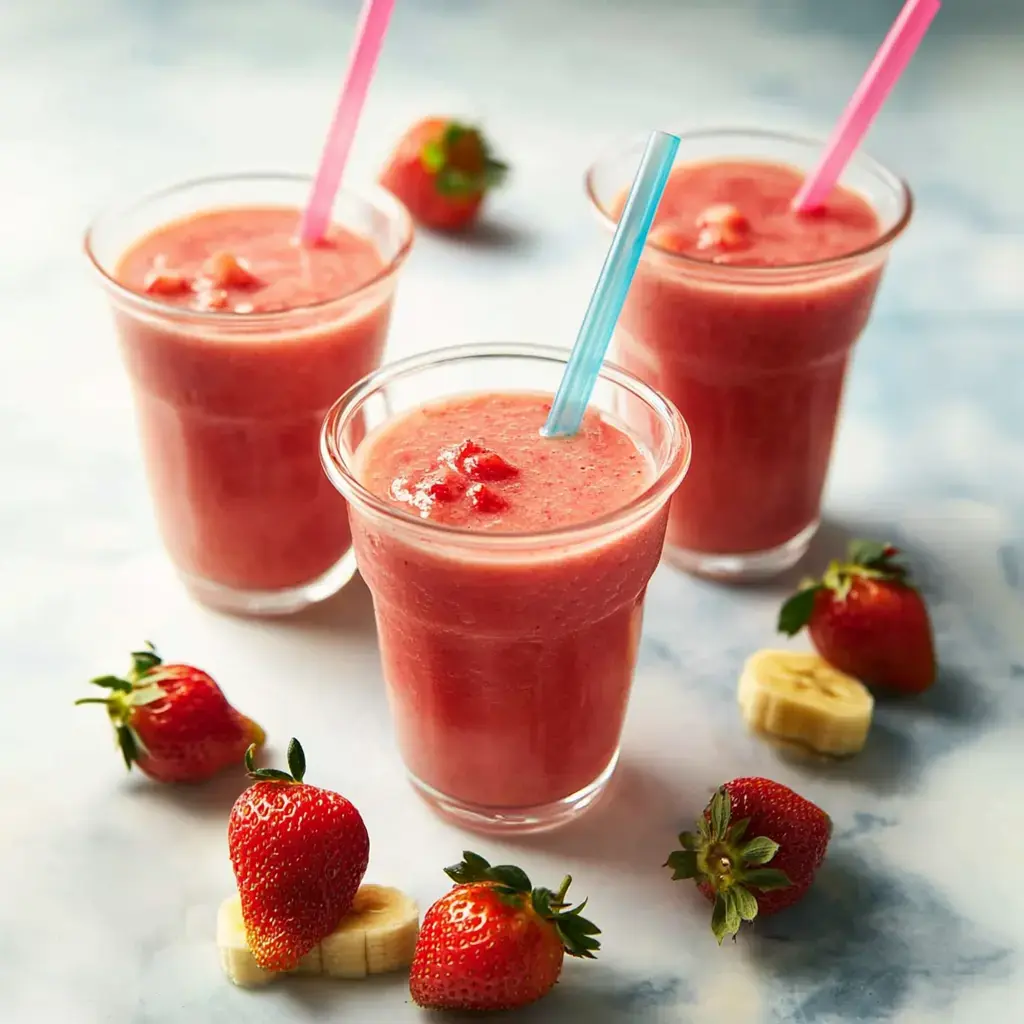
(269, 603)
(748, 567)
(517, 820)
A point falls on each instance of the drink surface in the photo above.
(246, 260)
(738, 213)
(478, 462)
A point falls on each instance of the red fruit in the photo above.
(299, 854)
(173, 721)
(442, 170)
(443, 487)
(722, 215)
(477, 462)
(161, 281)
(866, 619)
(791, 833)
(484, 499)
(671, 236)
(225, 270)
(211, 299)
(494, 942)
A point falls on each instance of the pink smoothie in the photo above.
(508, 671)
(230, 408)
(755, 362)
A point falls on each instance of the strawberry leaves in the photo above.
(796, 612)
(144, 661)
(461, 162)
(881, 558)
(296, 765)
(869, 559)
(719, 856)
(576, 932)
(513, 885)
(759, 850)
(506, 878)
(125, 694)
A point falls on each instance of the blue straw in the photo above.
(606, 303)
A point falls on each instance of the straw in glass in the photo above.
(595, 334)
(885, 70)
(373, 25)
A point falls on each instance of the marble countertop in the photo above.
(109, 885)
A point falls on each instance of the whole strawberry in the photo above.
(867, 619)
(299, 853)
(173, 721)
(749, 823)
(441, 170)
(494, 942)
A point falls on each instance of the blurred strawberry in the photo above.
(441, 170)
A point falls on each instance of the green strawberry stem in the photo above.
(867, 559)
(296, 765)
(442, 158)
(513, 886)
(137, 688)
(559, 900)
(720, 856)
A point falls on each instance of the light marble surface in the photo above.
(108, 885)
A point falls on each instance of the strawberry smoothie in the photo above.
(744, 314)
(237, 340)
(508, 573)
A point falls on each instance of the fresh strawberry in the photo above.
(485, 499)
(494, 942)
(790, 833)
(442, 170)
(477, 462)
(225, 270)
(867, 619)
(299, 853)
(173, 721)
(161, 281)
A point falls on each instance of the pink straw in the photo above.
(373, 25)
(889, 64)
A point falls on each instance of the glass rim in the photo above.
(339, 471)
(375, 195)
(894, 181)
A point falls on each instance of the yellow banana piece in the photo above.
(377, 935)
(797, 698)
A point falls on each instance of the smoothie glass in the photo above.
(508, 657)
(229, 406)
(754, 357)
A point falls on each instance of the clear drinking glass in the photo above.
(229, 406)
(755, 357)
(508, 657)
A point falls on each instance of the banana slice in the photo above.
(799, 699)
(378, 935)
(238, 963)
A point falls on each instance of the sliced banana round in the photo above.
(797, 698)
(376, 936)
